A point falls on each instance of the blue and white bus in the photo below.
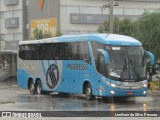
(90, 64)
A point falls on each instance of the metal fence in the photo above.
(8, 64)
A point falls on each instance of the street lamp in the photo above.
(111, 19)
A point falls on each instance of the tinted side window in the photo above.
(55, 51)
(79, 50)
(21, 52)
(26, 52)
(83, 50)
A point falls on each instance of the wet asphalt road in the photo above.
(13, 98)
(17, 99)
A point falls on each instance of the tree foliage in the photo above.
(58, 33)
(149, 32)
(146, 29)
(38, 34)
(125, 26)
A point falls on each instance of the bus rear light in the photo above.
(129, 93)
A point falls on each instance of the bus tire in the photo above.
(32, 88)
(88, 92)
(39, 88)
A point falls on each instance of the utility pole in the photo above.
(111, 17)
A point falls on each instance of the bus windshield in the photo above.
(126, 63)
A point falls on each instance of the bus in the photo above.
(102, 65)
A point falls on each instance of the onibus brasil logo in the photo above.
(52, 76)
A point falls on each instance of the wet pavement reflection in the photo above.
(20, 99)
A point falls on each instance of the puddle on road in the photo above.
(79, 103)
(69, 103)
(144, 99)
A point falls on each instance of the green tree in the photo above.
(104, 27)
(146, 29)
(149, 32)
(125, 27)
(38, 34)
(58, 33)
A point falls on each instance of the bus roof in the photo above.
(110, 39)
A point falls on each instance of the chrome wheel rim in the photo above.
(32, 88)
(88, 93)
(39, 89)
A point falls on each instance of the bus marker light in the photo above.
(130, 93)
(112, 92)
(144, 92)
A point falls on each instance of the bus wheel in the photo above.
(31, 88)
(39, 88)
(88, 92)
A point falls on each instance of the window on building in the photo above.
(11, 2)
(75, 17)
(133, 11)
(89, 17)
(70, 9)
(17, 13)
(8, 14)
(13, 36)
(90, 10)
(118, 11)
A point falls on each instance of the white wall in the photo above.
(11, 34)
(7, 8)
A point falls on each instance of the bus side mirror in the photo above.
(151, 56)
(105, 54)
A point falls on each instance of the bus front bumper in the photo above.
(109, 92)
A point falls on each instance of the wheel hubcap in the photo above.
(38, 89)
(88, 93)
(32, 88)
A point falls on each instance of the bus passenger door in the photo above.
(101, 66)
(102, 62)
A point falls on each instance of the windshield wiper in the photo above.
(125, 65)
(134, 70)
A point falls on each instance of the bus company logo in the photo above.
(41, 3)
(6, 114)
(52, 76)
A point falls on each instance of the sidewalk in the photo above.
(153, 93)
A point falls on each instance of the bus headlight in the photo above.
(112, 92)
(145, 85)
(144, 92)
(113, 85)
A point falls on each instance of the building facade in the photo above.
(84, 16)
(18, 18)
(13, 23)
